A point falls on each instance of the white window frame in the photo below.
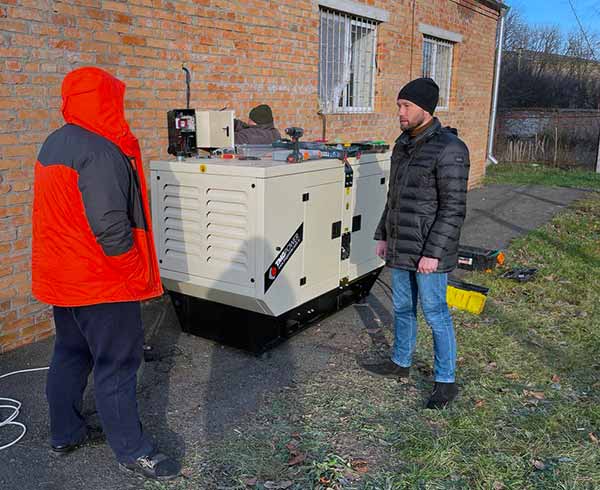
(435, 42)
(338, 99)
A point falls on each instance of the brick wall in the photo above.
(529, 122)
(240, 54)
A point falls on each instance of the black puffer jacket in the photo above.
(427, 199)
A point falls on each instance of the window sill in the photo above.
(348, 113)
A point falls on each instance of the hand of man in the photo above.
(381, 249)
(427, 265)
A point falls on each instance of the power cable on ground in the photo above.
(15, 406)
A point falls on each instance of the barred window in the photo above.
(437, 64)
(347, 45)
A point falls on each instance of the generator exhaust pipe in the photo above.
(187, 86)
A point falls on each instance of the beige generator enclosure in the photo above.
(266, 237)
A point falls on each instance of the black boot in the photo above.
(442, 395)
(93, 435)
(388, 369)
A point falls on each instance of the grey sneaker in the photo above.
(157, 467)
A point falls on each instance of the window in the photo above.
(346, 62)
(437, 64)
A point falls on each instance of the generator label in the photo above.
(284, 256)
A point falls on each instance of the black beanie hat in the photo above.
(261, 114)
(423, 91)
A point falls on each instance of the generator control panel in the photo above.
(181, 124)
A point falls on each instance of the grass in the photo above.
(528, 416)
(526, 173)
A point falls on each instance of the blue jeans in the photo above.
(431, 292)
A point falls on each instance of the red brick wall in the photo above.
(531, 121)
(239, 56)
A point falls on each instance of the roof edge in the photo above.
(495, 4)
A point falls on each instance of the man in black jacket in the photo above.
(419, 231)
(259, 131)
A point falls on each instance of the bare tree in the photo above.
(544, 68)
(545, 39)
(516, 31)
(520, 35)
(577, 45)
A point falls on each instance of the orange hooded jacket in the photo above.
(92, 238)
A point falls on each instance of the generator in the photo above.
(253, 250)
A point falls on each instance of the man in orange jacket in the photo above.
(93, 259)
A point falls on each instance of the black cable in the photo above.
(592, 52)
(385, 284)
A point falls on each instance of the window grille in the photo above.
(437, 64)
(347, 46)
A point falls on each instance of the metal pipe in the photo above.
(412, 39)
(490, 155)
(324, 124)
(598, 157)
(187, 85)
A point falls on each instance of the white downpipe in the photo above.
(490, 155)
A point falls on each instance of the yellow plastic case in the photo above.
(465, 296)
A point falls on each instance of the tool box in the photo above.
(520, 274)
(464, 296)
(478, 259)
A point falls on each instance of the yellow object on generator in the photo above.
(465, 296)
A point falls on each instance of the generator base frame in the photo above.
(255, 332)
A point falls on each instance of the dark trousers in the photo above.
(107, 338)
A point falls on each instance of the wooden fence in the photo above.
(558, 137)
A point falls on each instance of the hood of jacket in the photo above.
(94, 99)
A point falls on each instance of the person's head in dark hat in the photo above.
(416, 102)
(261, 114)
